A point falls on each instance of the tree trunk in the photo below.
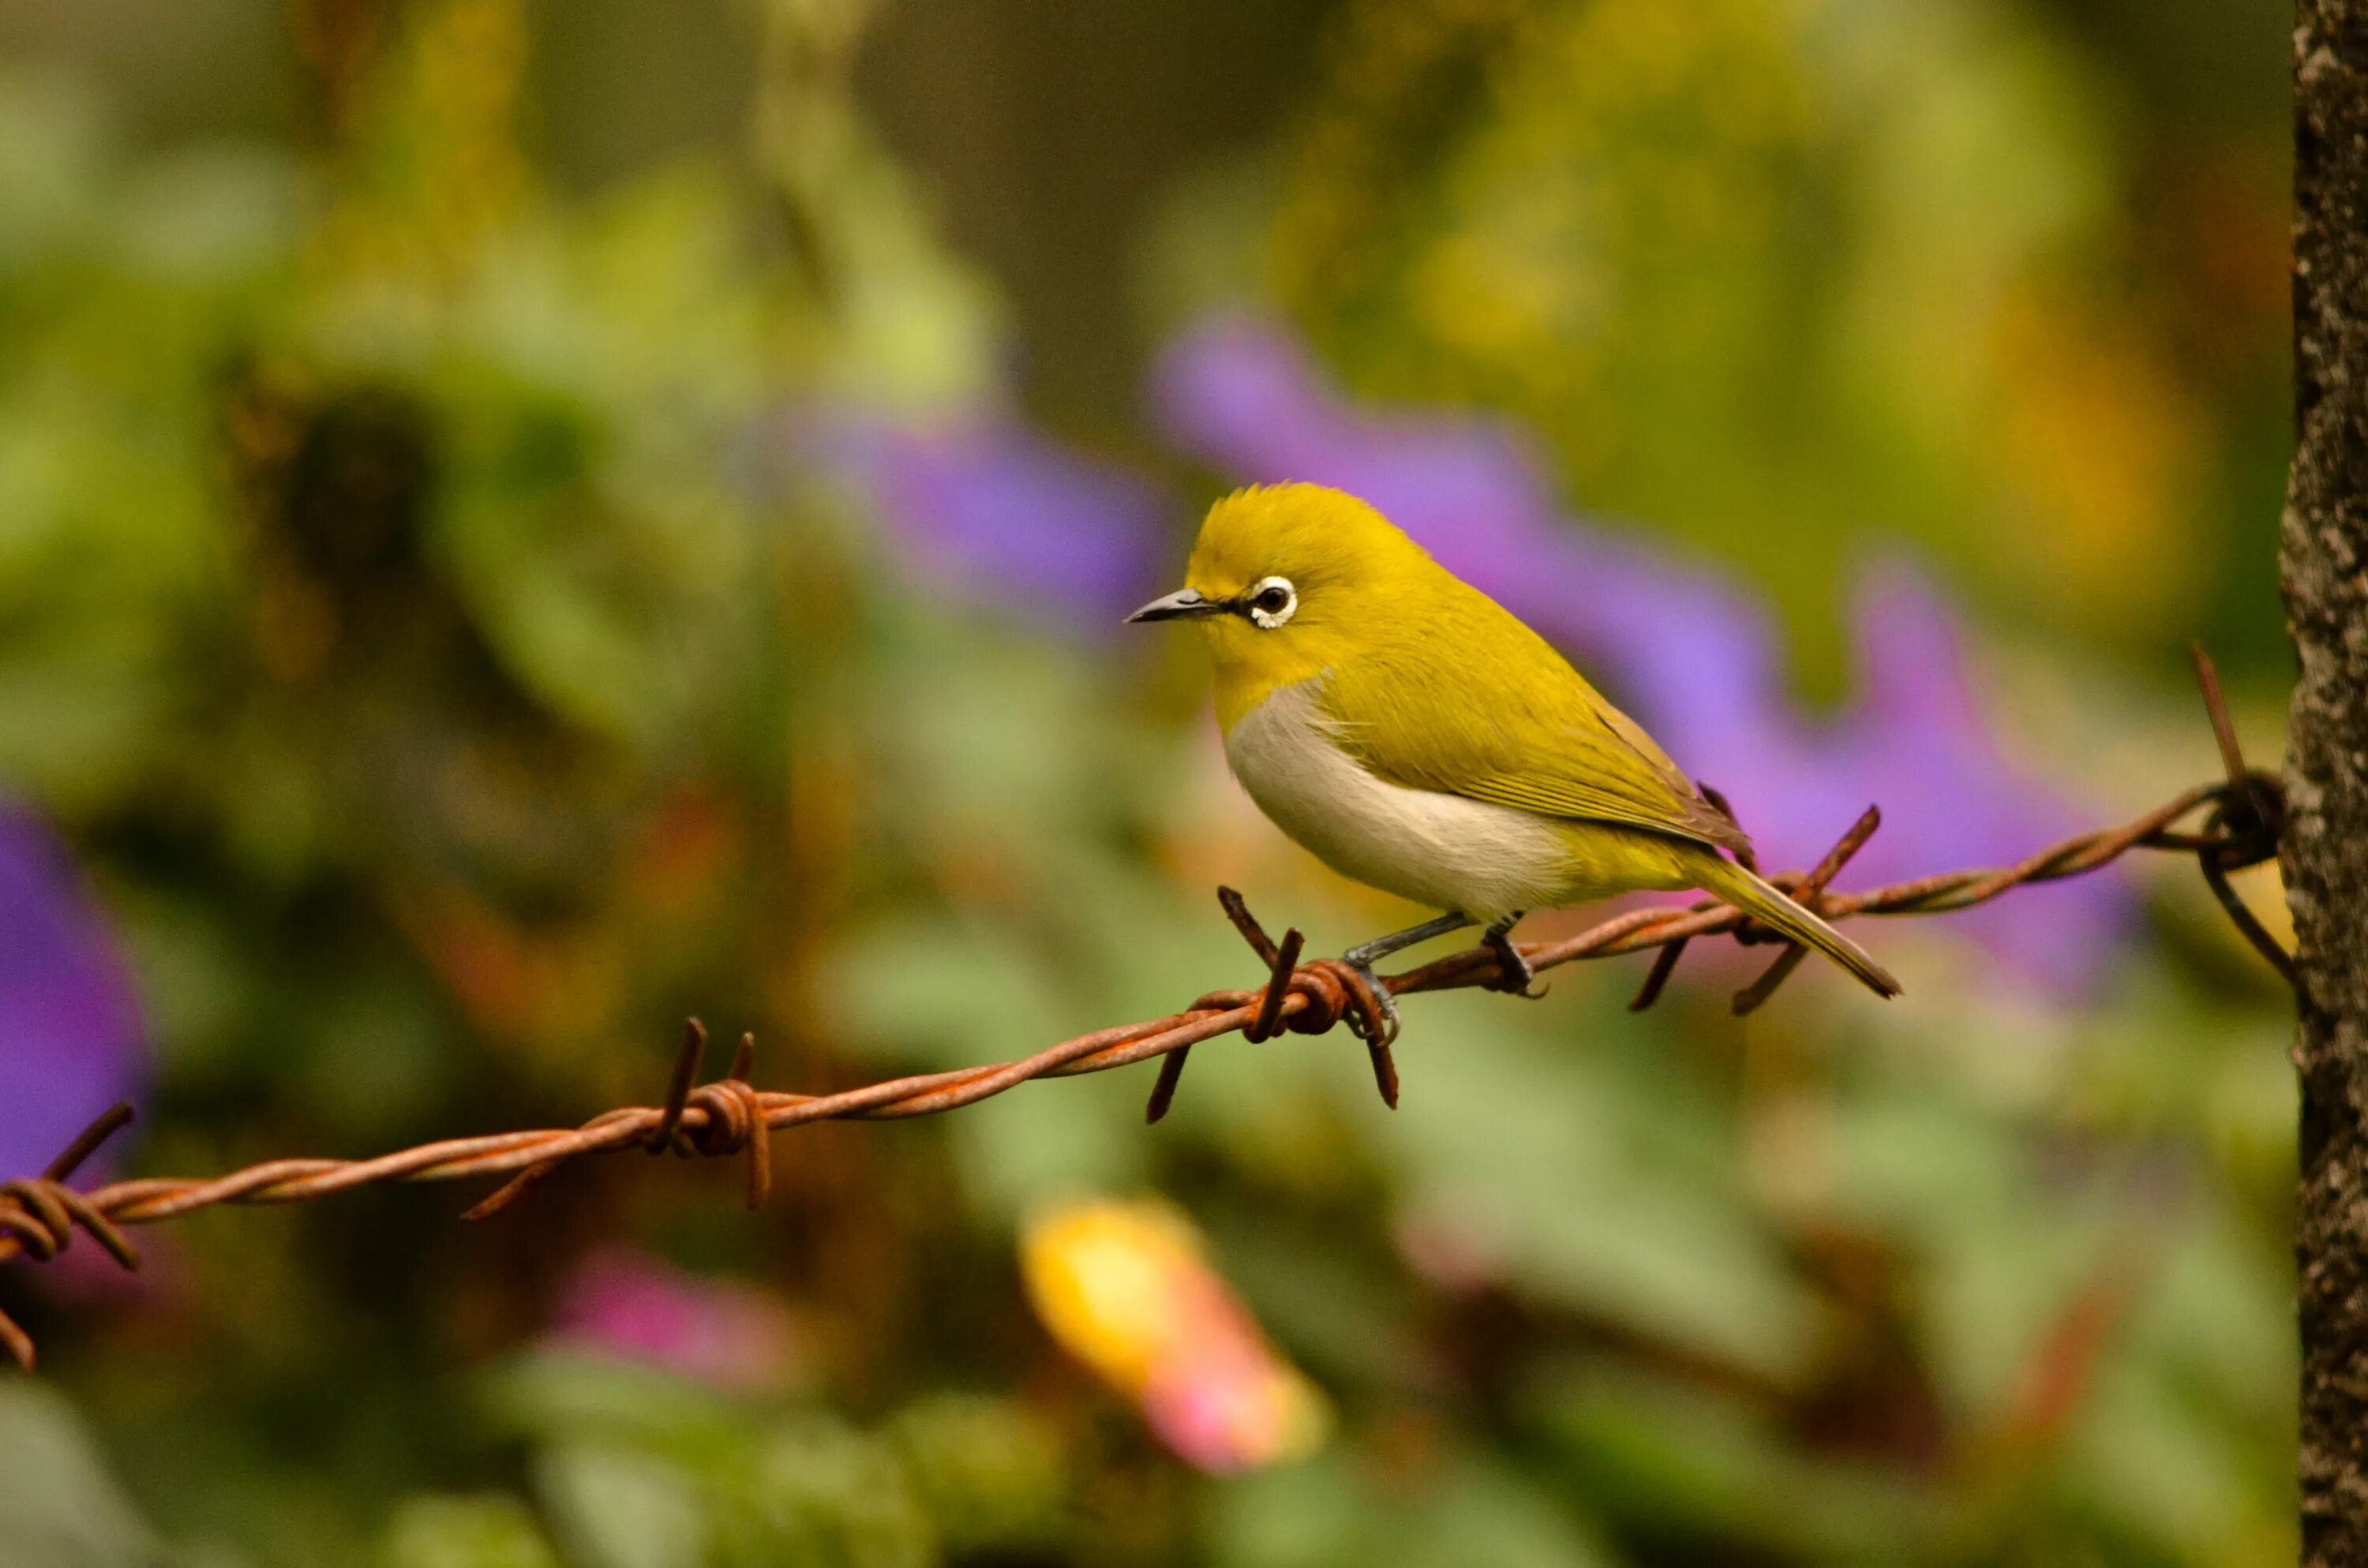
(2324, 849)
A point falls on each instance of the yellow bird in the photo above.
(1413, 735)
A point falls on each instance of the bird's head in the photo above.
(1289, 580)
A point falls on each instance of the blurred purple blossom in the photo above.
(983, 506)
(70, 1036)
(639, 1307)
(1686, 650)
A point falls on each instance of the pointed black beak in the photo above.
(1182, 603)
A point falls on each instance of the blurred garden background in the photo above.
(522, 522)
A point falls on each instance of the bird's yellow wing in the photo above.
(1472, 702)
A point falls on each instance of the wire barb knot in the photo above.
(1327, 993)
(40, 1213)
(733, 1118)
(730, 1116)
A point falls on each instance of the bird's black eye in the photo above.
(1272, 600)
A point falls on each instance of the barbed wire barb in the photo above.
(2253, 807)
(2241, 815)
(40, 1213)
(1752, 997)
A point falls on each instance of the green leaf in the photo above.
(490, 1529)
(615, 1507)
(62, 1506)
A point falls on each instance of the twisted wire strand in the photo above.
(730, 1116)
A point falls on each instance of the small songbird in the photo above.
(1415, 736)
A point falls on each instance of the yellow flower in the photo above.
(1127, 1288)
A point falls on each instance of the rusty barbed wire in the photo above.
(730, 1116)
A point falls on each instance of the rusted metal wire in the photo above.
(731, 1116)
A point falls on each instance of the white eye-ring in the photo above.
(1273, 602)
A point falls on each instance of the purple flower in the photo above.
(987, 508)
(70, 1036)
(1688, 650)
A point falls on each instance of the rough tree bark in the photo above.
(2324, 849)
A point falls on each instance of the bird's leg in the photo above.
(1364, 955)
(1513, 970)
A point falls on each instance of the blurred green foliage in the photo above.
(1780, 275)
(447, 682)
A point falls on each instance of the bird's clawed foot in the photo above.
(1385, 1006)
(1513, 972)
(1373, 1017)
(1359, 960)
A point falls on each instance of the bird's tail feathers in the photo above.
(1767, 904)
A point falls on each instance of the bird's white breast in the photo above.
(1444, 851)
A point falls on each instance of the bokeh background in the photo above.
(520, 522)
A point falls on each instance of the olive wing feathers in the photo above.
(1476, 704)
